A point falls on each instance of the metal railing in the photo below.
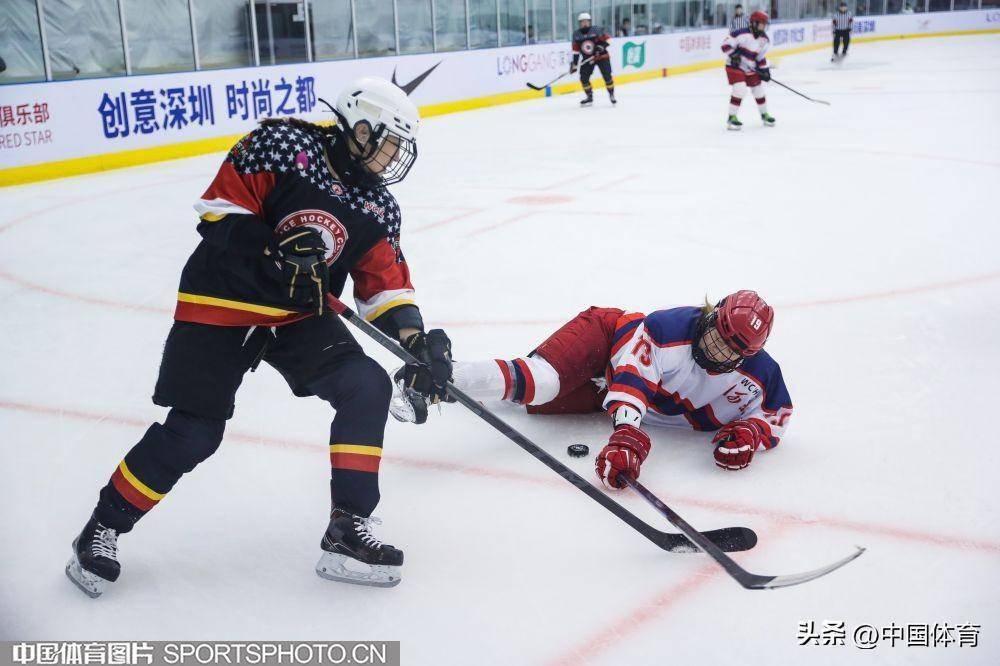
(514, 22)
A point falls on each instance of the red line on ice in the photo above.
(779, 517)
(648, 610)
(615, 630)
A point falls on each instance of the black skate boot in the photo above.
(588, 100)
(611, 96)
(95, 559)
(352, 554)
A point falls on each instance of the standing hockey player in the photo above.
(702, 368)
(843, 20)
(592, 43)
(746, 65)
(294, 209)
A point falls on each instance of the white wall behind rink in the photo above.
(46, 122)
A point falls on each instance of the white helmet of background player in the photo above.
(379, 124)
(584, 16)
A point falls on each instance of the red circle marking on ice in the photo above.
(540, 199)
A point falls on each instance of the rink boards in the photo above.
(64, 128)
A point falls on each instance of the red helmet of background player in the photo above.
(743, 321)
(758, 22)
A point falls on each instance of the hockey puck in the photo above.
(577, 450)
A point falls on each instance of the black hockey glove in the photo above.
(430, 378)
(300, 256)
(734, 60)
(572, 66)
(764, 73)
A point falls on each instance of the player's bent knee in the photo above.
(360, 381)
(188, 439)
(739, 89)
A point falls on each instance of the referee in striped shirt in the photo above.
(842, 22)
(740, 21)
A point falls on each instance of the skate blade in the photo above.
(401, 409)
(90, 584)
(333, 566)
(733, 128)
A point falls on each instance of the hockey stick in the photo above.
(728, 539)
(748, 580)
(818, 101)
(546, 85)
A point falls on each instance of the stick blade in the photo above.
(728, 539)
(534, 87)
(757, 582)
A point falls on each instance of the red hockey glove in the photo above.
(735, 444)
(624, 453)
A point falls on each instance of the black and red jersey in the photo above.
(278, 177)
(593, 41)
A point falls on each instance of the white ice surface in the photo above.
(871, 225)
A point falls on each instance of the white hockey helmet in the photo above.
(380, 124)
(584, 16)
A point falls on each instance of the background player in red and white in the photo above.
(591, 43)
(691, 367)
(746, 65)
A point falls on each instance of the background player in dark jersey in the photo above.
(592, 43)
(294, 209)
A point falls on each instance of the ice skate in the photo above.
(611, 96)
(734, 124)
(767, 119)
(588, 100)
(95, 559)
(352, 554)
(406, 405)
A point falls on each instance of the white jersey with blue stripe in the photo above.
(750, 49)
(653, 370)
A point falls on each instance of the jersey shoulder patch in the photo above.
(763, 368)
(669, 328)
(378, 205)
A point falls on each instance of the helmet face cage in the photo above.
(385, 155)
(388, 155)
(709, 345)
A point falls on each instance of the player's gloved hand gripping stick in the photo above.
(714, 543)
(728, 539)
(564, 74)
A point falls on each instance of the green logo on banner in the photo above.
(634, 55)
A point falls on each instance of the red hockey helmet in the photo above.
(744, 321)
(758, 22)
(734, 330)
